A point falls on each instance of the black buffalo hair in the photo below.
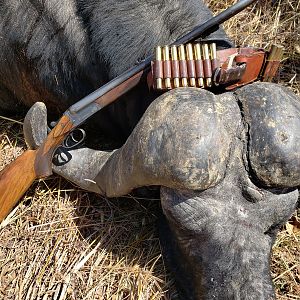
(59, 51)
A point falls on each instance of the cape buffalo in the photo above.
(60, 51)
(228, 165)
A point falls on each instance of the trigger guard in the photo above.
(71, 142)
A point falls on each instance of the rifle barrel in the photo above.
(145, 64)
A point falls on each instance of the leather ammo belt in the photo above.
(202, 66)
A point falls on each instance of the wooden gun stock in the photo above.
(15, 180)
(18, 176)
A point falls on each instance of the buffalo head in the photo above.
(228, 166)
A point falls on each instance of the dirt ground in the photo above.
(61, 242)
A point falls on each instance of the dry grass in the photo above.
(64, 243)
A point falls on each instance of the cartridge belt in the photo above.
(202, 66)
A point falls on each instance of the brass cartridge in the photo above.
(158, 67)
(183, 66)
(279, 52)
(278, 58)
(167, 67)
(207, 65)
(273, 52)
(175, 67)
(273, 62)
(191, 65)
(199, 65)
(214, 58)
